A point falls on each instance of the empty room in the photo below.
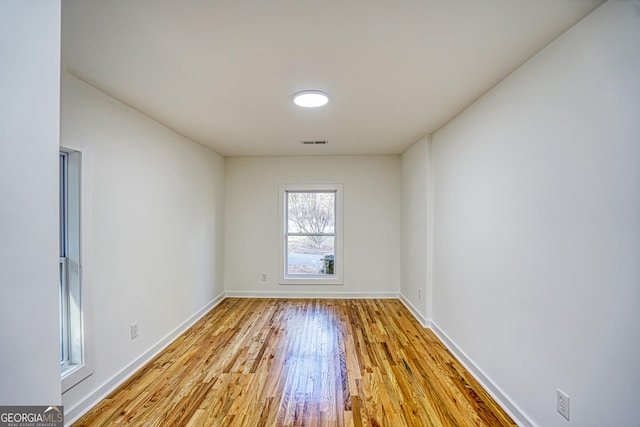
(290, 213)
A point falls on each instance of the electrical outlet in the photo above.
(263, 277)
(134, 330)
(419, 293)
(562, 403)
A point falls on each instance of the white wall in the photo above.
(537, 226)
(157, 230)
(415, 287)
(29, 132)
(371, 222)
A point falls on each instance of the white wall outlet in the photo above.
(263, 277)
(562, 403)
(419, 293)
(134, 330)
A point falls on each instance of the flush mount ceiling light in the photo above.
(310, 98)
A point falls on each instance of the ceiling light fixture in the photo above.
(310, 98)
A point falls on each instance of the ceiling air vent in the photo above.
(314, 142)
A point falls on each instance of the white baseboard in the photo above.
(426, 323)
(485, 381)
(72, 414)
(311, 294)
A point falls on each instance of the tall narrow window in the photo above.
(69, 280)
(63, 282)
(311, 234)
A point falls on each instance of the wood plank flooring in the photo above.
(312, 362)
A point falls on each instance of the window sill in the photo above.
(308, 281)
(72, 375)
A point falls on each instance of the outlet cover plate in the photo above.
(562, 403)
(134, 330)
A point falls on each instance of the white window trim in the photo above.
(338, 277)
(82, 367)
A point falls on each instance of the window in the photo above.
(311, 234)
(70, 272)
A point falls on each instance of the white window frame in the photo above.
(76, 366)
(338, 277)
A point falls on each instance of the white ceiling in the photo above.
(223, 73)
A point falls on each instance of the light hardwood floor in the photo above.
(312, 362)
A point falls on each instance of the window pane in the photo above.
(311, 212)
(311, 255)
(62, 202)
(63, 320)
